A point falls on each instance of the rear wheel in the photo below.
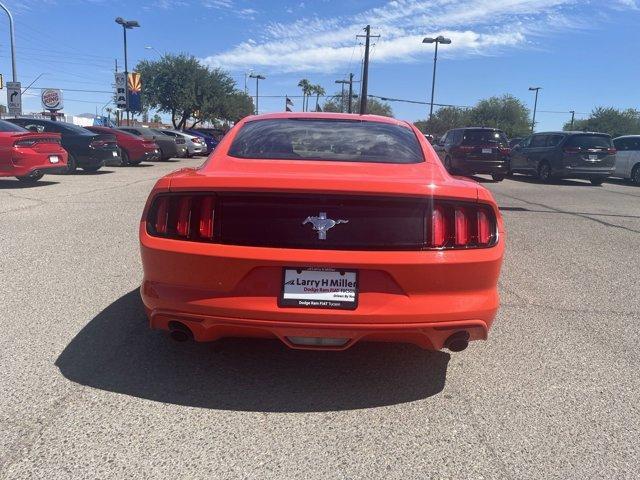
(92, 169)
(635, 174)
(597, 181)
(33, 178)
(125, 158)
(544, 172)
(72, 164)
(497, 177)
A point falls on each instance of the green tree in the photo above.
(181, 86)
(374, 106)
(609, 120)
(156, 118)
(317, 90)
(305, 85)
(506, 113)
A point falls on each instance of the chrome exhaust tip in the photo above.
(457, 342)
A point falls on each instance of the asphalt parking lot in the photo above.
(86, 390)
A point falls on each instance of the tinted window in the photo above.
(10, 127)
(132, 131)
(629, 143)
(538, 141)
(589, 141)
(554, 140)
(476, 137)
(525, 143)
(332, 140)
(68, 128)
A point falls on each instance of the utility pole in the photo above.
(573, 117)
(258, 78)
(365, 69)
(343, 82)
(535, 106)
(350, 93)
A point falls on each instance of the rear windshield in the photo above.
(589, 141)
(332, 140)
(476, 137)
(11, 127)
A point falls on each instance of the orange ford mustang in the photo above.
(322, 230)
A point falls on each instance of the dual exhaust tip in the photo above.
(457, 342)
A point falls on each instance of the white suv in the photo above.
(628, 157)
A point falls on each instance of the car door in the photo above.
(634, 155)
(519, 154)
(623, 156)
(537, 149)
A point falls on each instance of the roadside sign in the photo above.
(134, 85)
(51, 99)
(14, 98)
(121, 90)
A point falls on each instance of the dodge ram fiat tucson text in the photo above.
(322, 230)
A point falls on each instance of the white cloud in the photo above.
(477, 27)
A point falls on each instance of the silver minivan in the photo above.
(628, 158)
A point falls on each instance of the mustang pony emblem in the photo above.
(322, 224)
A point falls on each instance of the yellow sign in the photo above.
(135, 83)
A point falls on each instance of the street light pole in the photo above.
(535, 106)
(149, 47)
(12, 36)
(573, 117)
(126, 25)
(343, 83)
(437, 40)
(258, 78)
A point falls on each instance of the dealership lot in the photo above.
(86, 390)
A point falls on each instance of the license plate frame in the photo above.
(320, 299)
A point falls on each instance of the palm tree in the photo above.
(305, 85)
(318, 90)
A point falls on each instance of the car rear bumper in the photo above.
(481, 166)
(415, 297)
(584, 172)
(25, 164)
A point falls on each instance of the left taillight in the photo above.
(187, 217)
(460, 225)
(30, 142)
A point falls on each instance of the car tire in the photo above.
(497, 177)
(596, 181)
(92, 169)
(635, 174)
(125, 158)
(31, 178)
(544, 172)
(161, 155)
(134, 163)
(72, 164)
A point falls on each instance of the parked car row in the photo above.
(546, 155)
(30, 148)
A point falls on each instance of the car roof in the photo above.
(326, 116)
(571, 132)
(627, 136)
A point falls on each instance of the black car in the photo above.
(86, 149)
(167, 145)
(549, 155)
(472, 150)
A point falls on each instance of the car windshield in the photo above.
(75, 129)
(332, 140)
(11, 127)
(476, 137)
(589, 141)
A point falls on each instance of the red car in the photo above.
(322, 230)
(133, 149)
(28, 156)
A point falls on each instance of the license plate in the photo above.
(115, 154)
(54, 159)
(487, 150)
(593, 158)
(319, 288)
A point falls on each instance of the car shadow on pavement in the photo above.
(556, 181)
(117, 352)
(17, 184)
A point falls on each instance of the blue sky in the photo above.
(582, 53)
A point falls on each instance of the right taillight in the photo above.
(460, 225)
(187, 217)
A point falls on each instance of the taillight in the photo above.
(30, 142)
(460, 225)
(24, 143)
(612, 151)
(465, 148)
(571, 150)
(97, 143)
(188, 217)
(504, 150)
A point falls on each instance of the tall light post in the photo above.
(343, 83)
(535, 106)
(126, 25)
(436, 40)
(258, 78)
(12, 36)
